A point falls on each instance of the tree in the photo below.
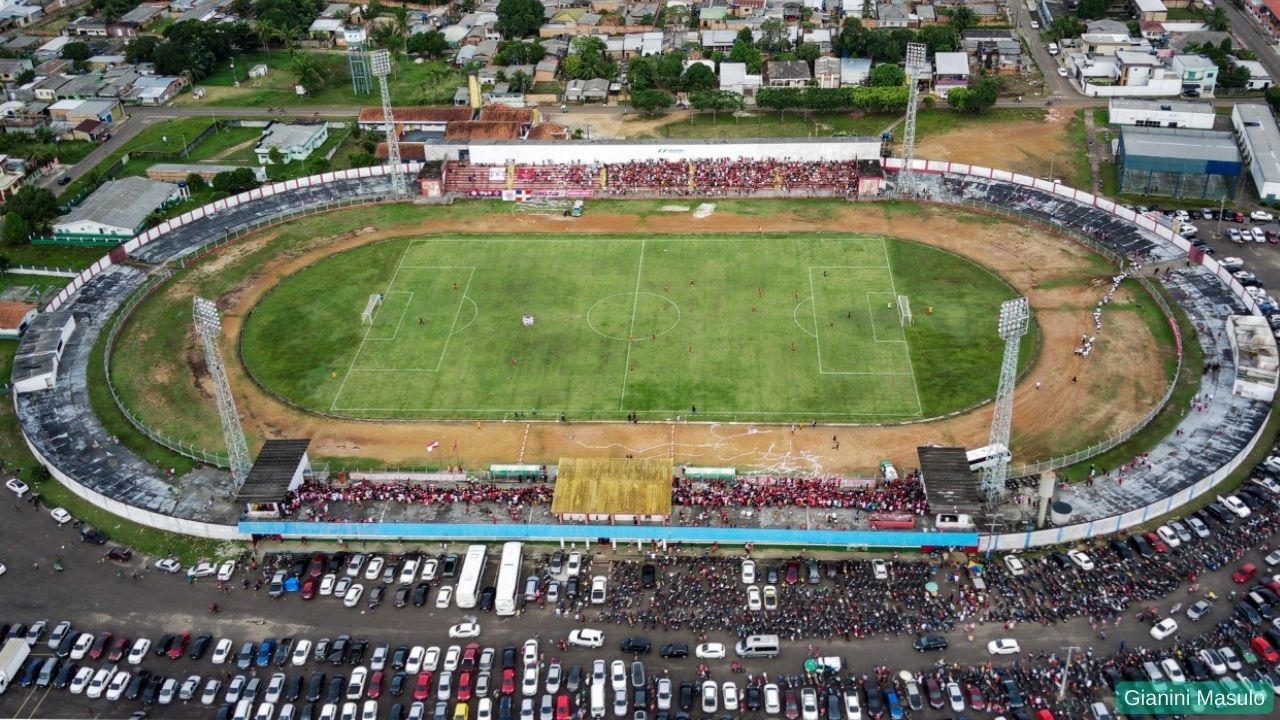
(886, 75)
(589, 59)
(977, 98)
(716, 101)
(196, 182)
(698, 78)
(1272, 95)
(774, 36)
(519, 18)
(1066, 26)
(267, 31)
(517, 52)
(141, 48)
(111, 10)
(197, 47)
(642, 73)
(363, 159)
(1217, 19)
(1092, 9)
(808, 52)
(310, 71)
(291, 16)
(276, 170)
(520, 81)
(651, 102)
(962, 18)
(387, 37)
(670, 69)
(745, 51)
(400, 19)
(16, 229)
(36, 205)
(25, 77)
(78, 53)
(430, 44)
(235, 181)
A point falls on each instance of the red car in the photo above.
(422, 688)
(100, 646)
(1245, 573)
(469, 655)
(179, 646)
(1043, 714)
(316, 569)
(792, 703)
(1272, 583)
(1263, 648)
(562, 707)
(119, 647)
(375, 685)
(976, 699)
(793, 572)
(508, 681)
(464, 686)
(309, 587)
(1156, 543)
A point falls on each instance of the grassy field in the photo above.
(767, 328)
(795, 124)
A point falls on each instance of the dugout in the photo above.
(613, 490)
(1193, 164)
(949, 485)
(279, 468)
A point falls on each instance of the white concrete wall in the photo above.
(1170, 118)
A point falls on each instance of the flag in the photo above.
(431, 447)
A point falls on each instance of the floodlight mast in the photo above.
(915, 66)
(1015, 316)
(208, 325)
(380, 61)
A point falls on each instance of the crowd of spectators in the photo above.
(897, 496)
(312, 499)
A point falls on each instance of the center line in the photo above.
(631, 334)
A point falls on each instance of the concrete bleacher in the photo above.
(62, 426)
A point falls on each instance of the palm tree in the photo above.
(400, 19)
(389, 38)
(1217, 19)
(268, 31)
(310, 71)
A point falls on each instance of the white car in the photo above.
(169, 565)
(1230, 658)
(369, 711)
(1261, 216)
(484, 710)
(81, 680)
(664, 694)
(770, 597)
(586, 637)
(880, 569)
(529, 681)
(453, 656)
(1235, 505)
(1213, 661)
(1232, 262)
(754, 601)
(119, 682)
(1173, 671)
(574, 566)
(465, 630)
(852, 704)
(444, 597)
(729, 692)
(808, 704)
(226, 570)
(710, 701)
(211, 690)
(18, 487)
(301, 652)
(1267, 484)
(353, 595)
(60, 516)
(355, 564)
(431, 660)
(772, 699)
(1082, 560)
(189, 688)
(1062, 72)
(139, 651)
(373, 570)
(98, 684)
(1003, 646)
(1234, 236)
(1016, 568)
(1258, 235)
(955, 697)
(618, 676)
(748, 572)
(355, 684)
(275, 687)
(378, 660)
(598, 585)
(1164, 628)
(81, 646)
(204, 568)
(409, 572)
(326, 584)
(413, 663)
(710, 651)
(430, 567)
(222, 651)
(1169, 536)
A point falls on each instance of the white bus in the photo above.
(468, 591)
(509, 578)
(987, 456)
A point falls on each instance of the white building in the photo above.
(1259, 140)
(734, 77)
(116, 211)
(1161, 113)
(295, 142)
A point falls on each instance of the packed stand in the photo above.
(898, 496)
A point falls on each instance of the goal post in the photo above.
(371, 309)
(904, 311)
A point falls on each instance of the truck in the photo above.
(12, 656)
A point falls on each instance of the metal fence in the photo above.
(157, 279)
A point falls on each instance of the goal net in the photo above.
(904, 311)
(371, 308)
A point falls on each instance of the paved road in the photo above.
(1247, 29)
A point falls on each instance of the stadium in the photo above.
(686, 325)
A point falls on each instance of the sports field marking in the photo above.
(671, 413)
(400, 321)
(456, 314)
(365, 338)
(872, 315)
(796, 319)
(631, 333)
(915, 386)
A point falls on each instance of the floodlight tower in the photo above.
(381, 61)
(209, 327)
(1014, 317)
(914, 67)
(358, 59)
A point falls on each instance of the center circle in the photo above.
(633, 316)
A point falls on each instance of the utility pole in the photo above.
(1062, 686)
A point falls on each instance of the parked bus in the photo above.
(987, 456)
(468, 590)
(509, 578)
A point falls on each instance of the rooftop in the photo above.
(1208, 145)
(949, 483)
(1264, 139)
(951, 63)
(269, 478)
(1199, 108)
(373, 114)
(123, 203)
(12, 313)
(613, 486)
(287, 135)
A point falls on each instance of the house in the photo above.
(1259, 140)
(855, 71)
(11, 69)
(951, 70)
(1199, 73)
(994, 50)
(135, 20)
(72, 112)
(327, 29)
(116, 211)
(734, 78)
(585, 91)
(294, 141)
(1259, 78)
(718, 40)
(53, 48)
(15, 317)
(15, 15)
(1161, 113)
(13, 175)
(787, 73)
(85, 26)
(820, 37)
(1153, 10)
(154, 89)
(1110, 43)
(90, 131)
(546, 69)
(890, 16)
(413, 119)
(826, 70)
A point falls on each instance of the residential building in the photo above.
(1199, 73)
(1161, 113)
(1259, 140)
(826, 71)
(1259, 78)
(294, 141)
(10, 69)
(116, 211)
(1153, 10)
(855, 71)
(587, 91)
(787, 73)
(734, 78)
(951, 70)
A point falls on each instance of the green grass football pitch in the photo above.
(769, 328)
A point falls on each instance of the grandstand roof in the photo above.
(949, 484)
(504, 112)
(483, 130)
(408, 151)
(373, 114)
(613, 486)
(269, 478)
(548, 131)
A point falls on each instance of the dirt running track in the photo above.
(1120, 382)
